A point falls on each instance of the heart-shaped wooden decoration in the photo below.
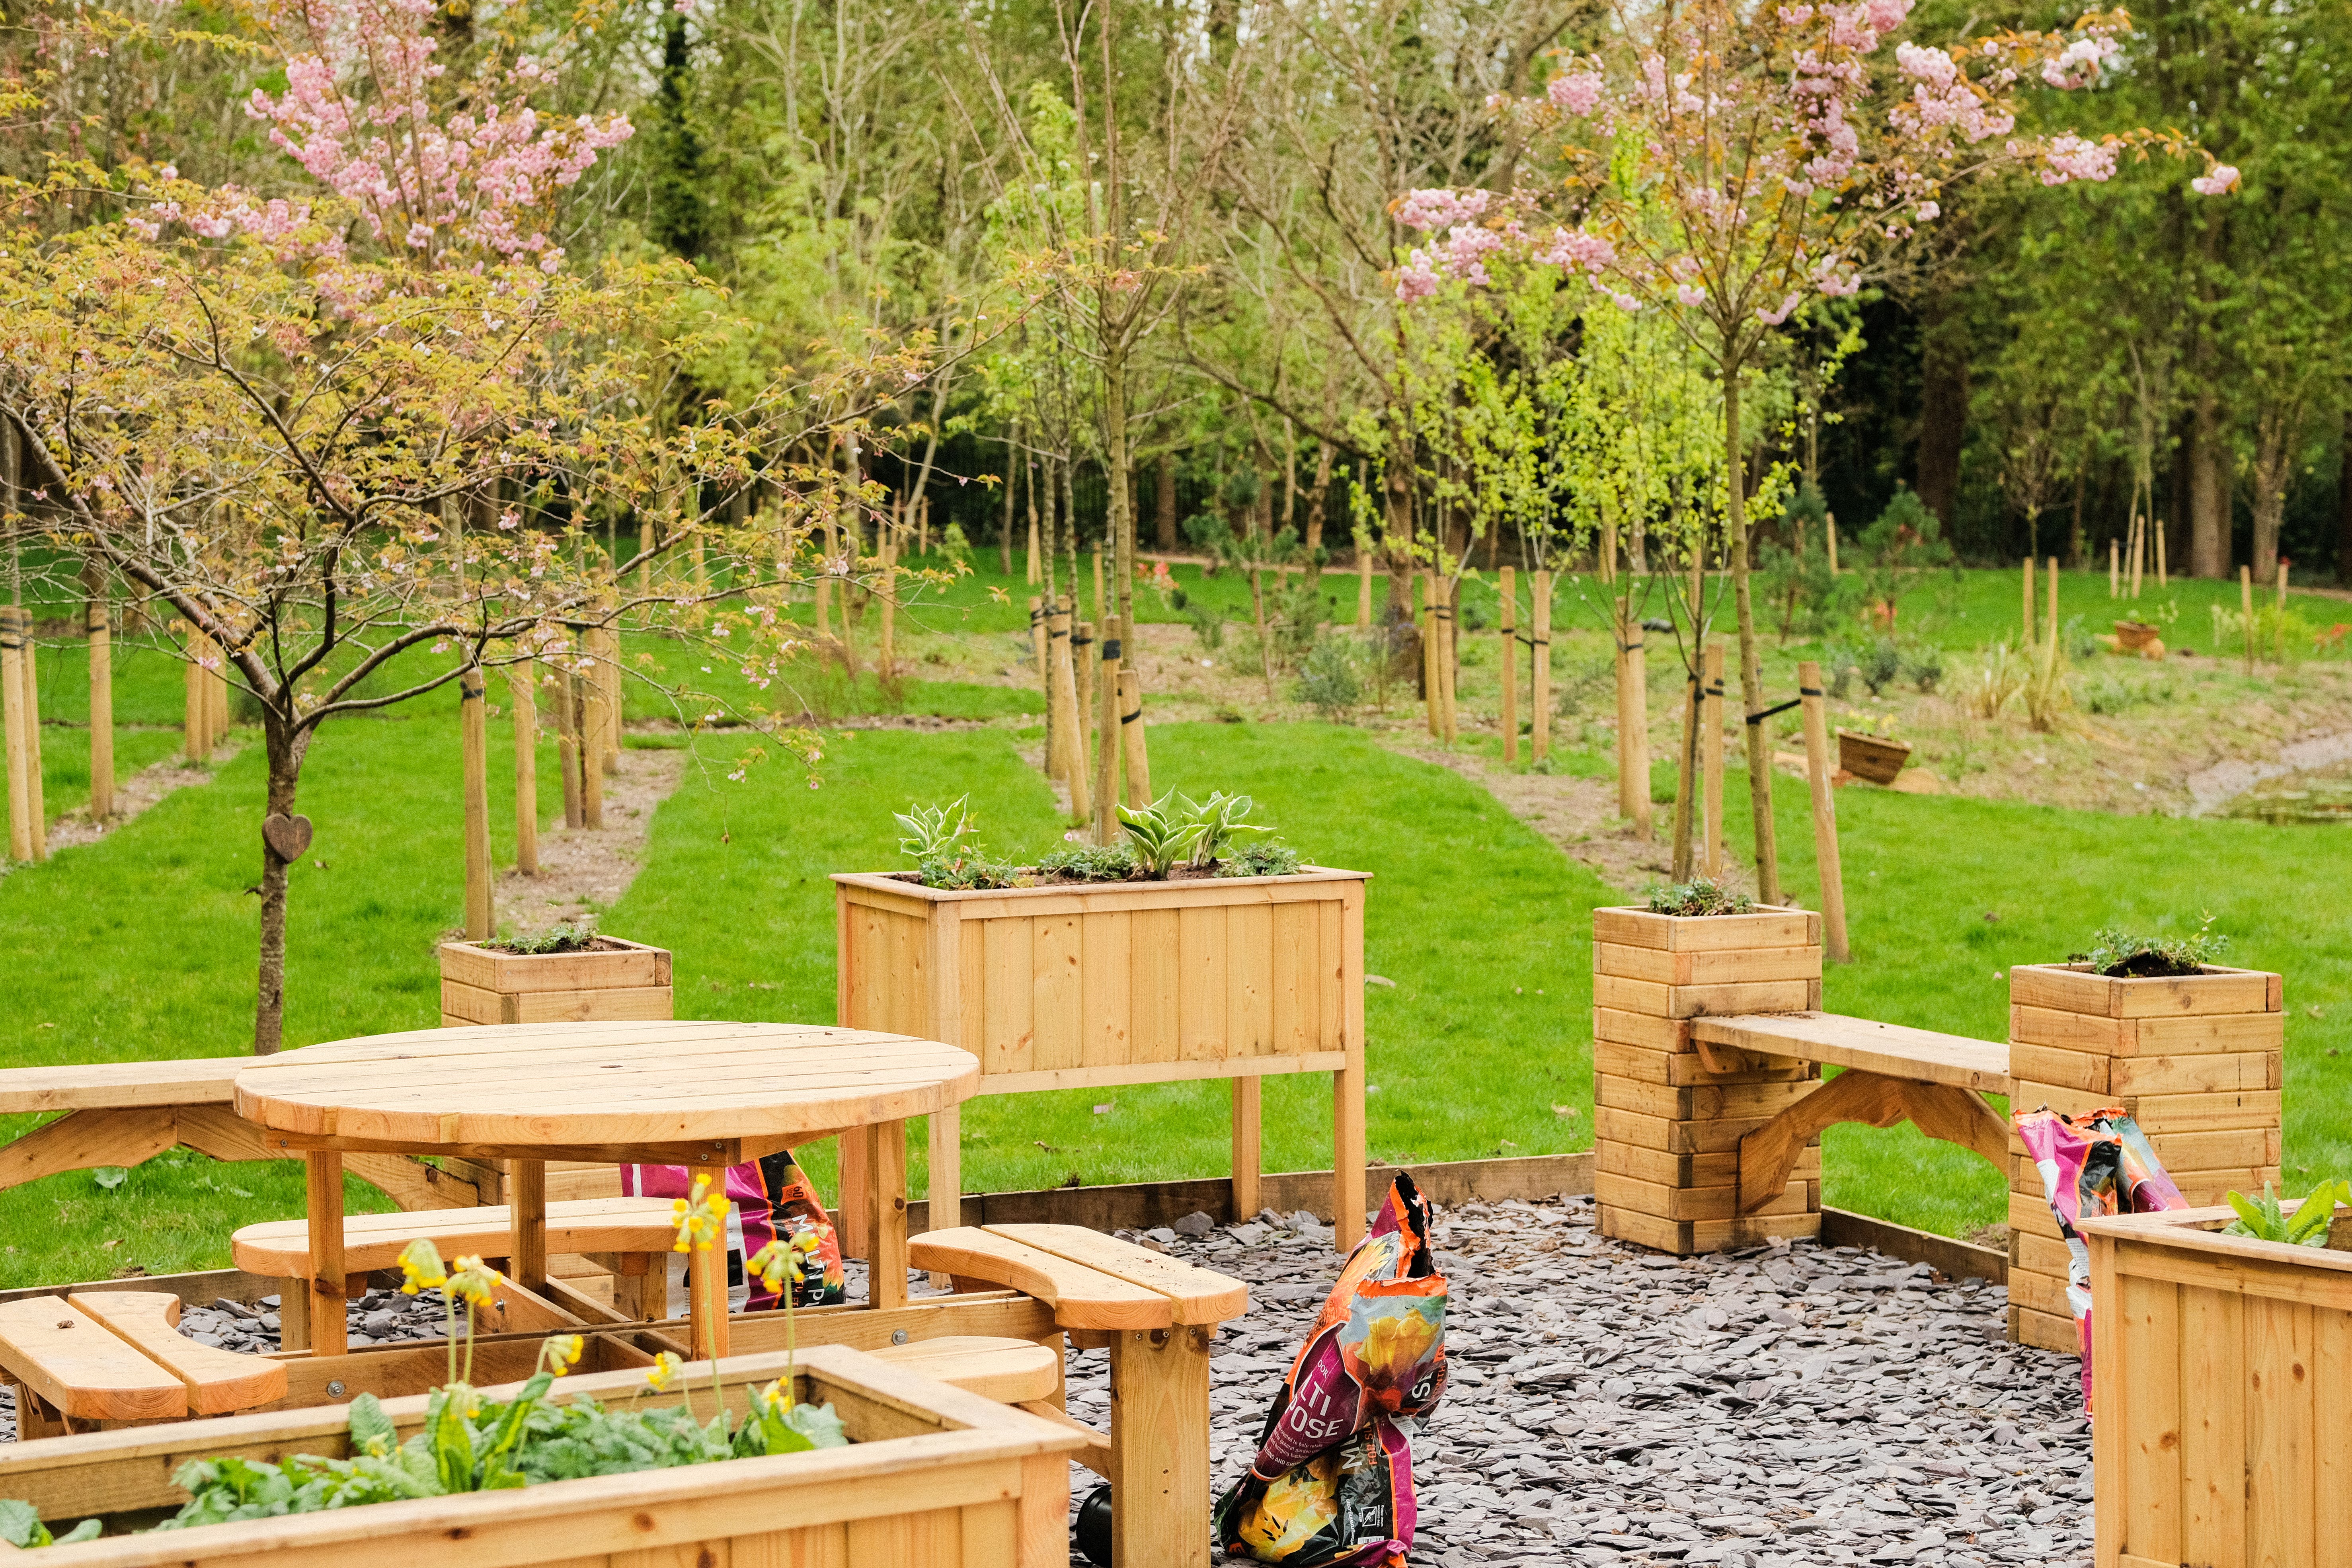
(290, 835)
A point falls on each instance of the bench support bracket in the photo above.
(1942, 1111)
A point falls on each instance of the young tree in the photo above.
(1763, 177)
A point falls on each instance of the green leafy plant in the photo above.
(1207, 624)
(2117, 952)
(1699, 896)
(1331, 679)
(21, 1527)
(563, 939)
(1995, 680)
(1269, 859)
(1220, 816)
(1160, 834)
(1091, 862)
(964, 875)
(2049, 687)
(2264, 1219)
(934, 833)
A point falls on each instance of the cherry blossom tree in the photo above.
(1725, 162)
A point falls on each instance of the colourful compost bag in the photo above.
(2102, 1164)
(768, 1198)
(1331, 1486)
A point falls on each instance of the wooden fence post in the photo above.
(1819, 765)
(2161, 578)
(474, 730)
(1139, 752)
(1084, 656)
(101, 712)
(1363, 589)
(1711, 756)
(1539, 682)
(2281, 585)
(196, 742)
(608, 755)
(2025, 637)
(523, 681)
(2246, 611)
(1632, 720)
(2052, 629)
(215, 694)
(1510, 661)
(1829, 537)
(1072, 761)
(1432, 700)
(35, 804)
(1107, 737)
(2115, 570)
(567, 748)
(1449, 622)
(12, 703)
(889, 654)
(591, 747)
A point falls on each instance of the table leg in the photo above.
(706, 1276)
(857, 1241)
(1160, 1447)
(882, 1150)
(527, 1223)
(323, 1200)
(1247, 1159)
(946, 1202)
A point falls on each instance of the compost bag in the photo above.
(769, 1199)
(2102, 1164)
(1331, 1486)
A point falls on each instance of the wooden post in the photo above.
(527, 1223)
(1132, 738)
(36, 814)
(2161, 578)
(11, 701)
(1102, 605)
(1829, 537)
(2115, 570)
(2133, 550)
(1247, 1147)
(2246, 611)
(2281, 585)
(591, 747)
(217, 693)
(1107, 729)
(1711, 757)
(886, 1213)
(323, 1204)
(1033, 574)
(1363, 590)
(608, 755)
(1347, 1083)
(1070, 733)
(645, 553)
(705, 1275)
(1539, 682)
(522, 683)
(1449, 621)
(1433, 701)
(1819, 765)
(1633, 723)
(101, 712)
(1084, 655)
(1159, 1467)
(567, 749)
(889, 657)
(472, 727)
(196, 737)
(2025, 637)
(2051, 572)
(1511, 662)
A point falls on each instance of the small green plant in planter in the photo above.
(1174, 834)
(2120, 953)
(563, 939)
(1160, 834)
(1699, 896)
(2265, 1220)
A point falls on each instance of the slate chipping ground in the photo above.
(1778, 1407)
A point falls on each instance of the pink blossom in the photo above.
(1781, 313)
(1429, 209)
(1417, 279)
(2079, 63)
(1690, 293)
(1573, 247)
(1577, 91)
(1928, 212)
(2219, 180)
(2069, 157)
(1933, 67)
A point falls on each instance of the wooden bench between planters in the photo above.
(1157, 1316)
(117, 1356)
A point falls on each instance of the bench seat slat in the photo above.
(1200, 1295)
(281, 1248)
(217, 1381)
(93, 1086)
(1082, 1298)
(1007, 1371)
(69, 1359)
(1893, 1050)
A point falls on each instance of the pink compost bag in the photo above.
(768, 1198)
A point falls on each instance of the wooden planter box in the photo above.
(934, 1478)
(1086, 986)
(2222, 1363)
(616, 981)
(1872, 757)
(2136, 636)
(1665, 1126)
(2196, 1061)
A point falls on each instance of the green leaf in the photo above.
(819, 1425)
(110, 1177)
(2249, 1214)
(88, 1529)
(20, 1526)
(372, 1429)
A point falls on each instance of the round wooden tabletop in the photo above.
(650, 1083)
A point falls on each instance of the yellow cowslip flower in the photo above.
(700, 1219)
(664, 1371)
(474, 1280)
(778, 1261)
(420, 1260)
(561, 1353)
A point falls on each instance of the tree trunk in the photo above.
(1011, 471)
(284, 751)
(1751, 668)
(1315, 498)
(2344, 509)
(1122, 497)
(2208, 493)
(2271, 466)
(1167, 502)
(1943, 410)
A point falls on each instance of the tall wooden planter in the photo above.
(2196, 1061)
(2222, 1433)
(614, 981)
(933, 1477)
(1669, 1113)
(1122, 983)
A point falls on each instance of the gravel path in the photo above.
(1778, 1409)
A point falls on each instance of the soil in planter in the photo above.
(556, 942)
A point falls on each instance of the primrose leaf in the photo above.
(372, 1429)
(20, 1526)
(88, 1529)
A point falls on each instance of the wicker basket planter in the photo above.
(1667, 1125)
(1093, 984)
(1872, 757)
(933, 1477)
(614, 981)
(2197, 1060)
(2220, 1364)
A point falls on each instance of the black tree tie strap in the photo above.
(1783, 708)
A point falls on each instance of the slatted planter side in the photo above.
(1124, 983)
(616, 981)
(2198, 1061)
(2222, 1433)
(1666, 1129)
(934, 1478)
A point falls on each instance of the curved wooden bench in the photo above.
(119, 1356)
(281, 1248)
(1010, 1372)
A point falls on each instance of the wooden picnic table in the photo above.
(705, 1095)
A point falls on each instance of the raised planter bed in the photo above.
(1872, 757)
(614, 980)
(2220, 1364)
(1093, 984)
(933, 1477)
(1668, 1112)
(2197, 1060)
